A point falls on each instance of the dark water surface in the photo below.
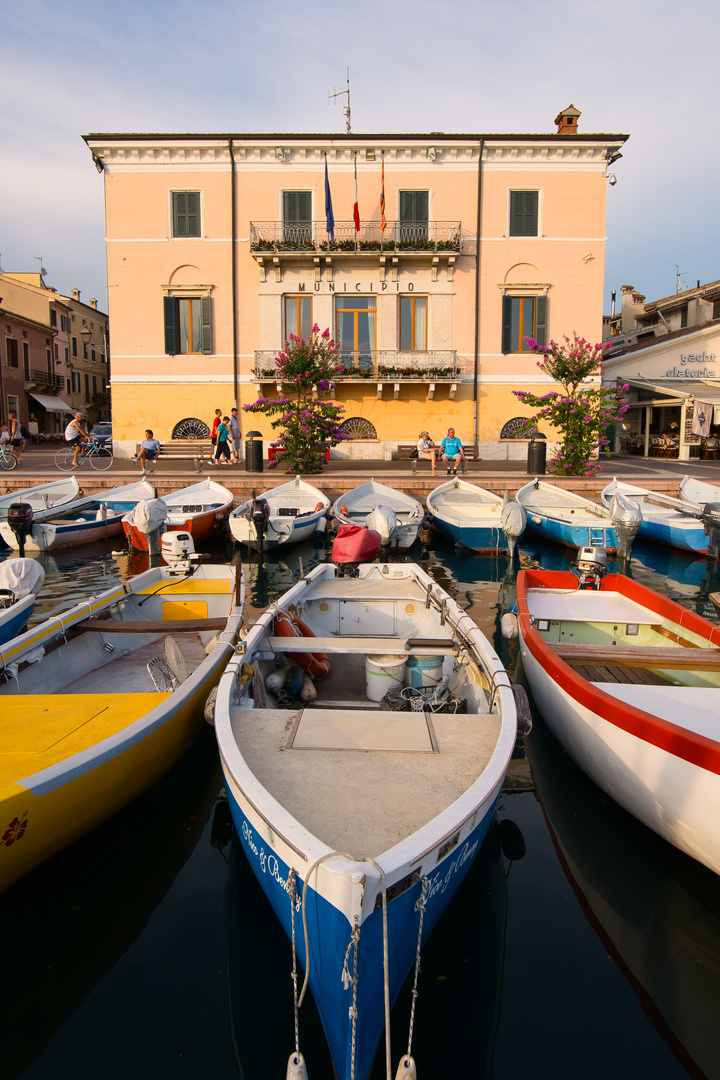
(580, 945)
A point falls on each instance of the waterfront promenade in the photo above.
(339, 476)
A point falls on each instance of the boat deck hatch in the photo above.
(332, 729)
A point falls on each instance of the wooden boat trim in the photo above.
(645, 656)
(150, 626)
(414, 646)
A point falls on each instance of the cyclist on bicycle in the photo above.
(75, 435)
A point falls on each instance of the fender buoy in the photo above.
(344, 509)
(319, 507)
(287, 624)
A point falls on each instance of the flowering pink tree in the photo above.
(583, 412)
(308, 368)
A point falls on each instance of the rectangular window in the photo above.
(53, 317)
(716, 309)
(76, 382)
(92, 354)
(414, 210)
(69, 386)
(297, 216)
(355, 331)
(684, 317)
(413, 324)
(523, 317)
(94, 379)
(524, 213)
(187, 325)
(67, 355)
(297, 316)
(55, 349)
(74, 346)
(185, 213)
(87, 388)
(26, 359)
(11, 352)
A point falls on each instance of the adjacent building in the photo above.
(53, 354)
(667, 352)
(430, 257)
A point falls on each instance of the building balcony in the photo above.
(401, 240)
(40, 379)
(382, 367)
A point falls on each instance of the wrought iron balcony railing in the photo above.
(312, 237)
(379, 365)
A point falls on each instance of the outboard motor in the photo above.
(177, 548)
(710, 518)
(258, 513)
(513, 519)
(627, 518)
(20, 519)
(590, 566)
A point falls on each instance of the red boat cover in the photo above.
(353, 543)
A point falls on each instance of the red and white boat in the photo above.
(629, 682)
(198, 509)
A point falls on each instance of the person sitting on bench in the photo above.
(149, 450)
(426, 448)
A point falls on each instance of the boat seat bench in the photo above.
(673, 657)
(386, 646)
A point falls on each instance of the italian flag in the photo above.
(356, 212)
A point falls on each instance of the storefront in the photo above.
(673, 395)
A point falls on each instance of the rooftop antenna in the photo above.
(43, 271)
(346, 108)
(678, 275)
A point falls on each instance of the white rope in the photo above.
(419, 906)
(293, 897)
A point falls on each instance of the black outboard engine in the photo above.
(627, 519)
(258, 513)
(590, 566)
(20, 519)
(710, 518)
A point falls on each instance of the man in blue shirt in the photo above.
(149, 449)
(452, 451)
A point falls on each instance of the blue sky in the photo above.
(645, 69)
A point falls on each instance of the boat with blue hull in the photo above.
(365, 824)
(20, 583)
(94, 517)
(568, 518)
(665, 520)
(477, 518)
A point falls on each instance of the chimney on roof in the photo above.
(75, 294)
(93, 302)
(567, 121)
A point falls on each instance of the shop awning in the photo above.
(52, 404)
(698, 388)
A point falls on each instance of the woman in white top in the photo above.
(426, 448)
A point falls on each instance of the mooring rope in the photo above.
(293, 898)
(419, 906)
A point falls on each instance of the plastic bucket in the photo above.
(423, 671)
(383, 673)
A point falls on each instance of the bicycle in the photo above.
(98, 456)
(7, 456)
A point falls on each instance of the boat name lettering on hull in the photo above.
(269, 864)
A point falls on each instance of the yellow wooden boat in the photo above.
(100, 701)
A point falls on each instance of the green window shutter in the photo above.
(206, 325)
(414, 206)
(171, 335)
(523, 213)
(506, 324)
(297, 207)
(541, 320)
(186, 213)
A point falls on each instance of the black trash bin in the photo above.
(253, 452)
(537, 454)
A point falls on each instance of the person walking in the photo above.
(222, 450)
(452, 451)
(235, 433)
(426, 448)
(213, 432)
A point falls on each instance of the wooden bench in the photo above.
(194, 450)
(404, 453)
(672, 657)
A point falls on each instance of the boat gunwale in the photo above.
(677, 741)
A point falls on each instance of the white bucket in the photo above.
(383, 673)
(423, 671)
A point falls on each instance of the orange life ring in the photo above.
(288, 624)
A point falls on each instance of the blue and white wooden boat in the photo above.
(568, 518)
(396, 516)
(283, 515)
(351, 815)
(20, 583)
(41, 496)
(664, 519)
(479, 519)
(93, 517)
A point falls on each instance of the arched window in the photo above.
(356, 427)
(191, 428)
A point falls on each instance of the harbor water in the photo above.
(580, 944)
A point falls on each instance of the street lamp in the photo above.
(86, 334)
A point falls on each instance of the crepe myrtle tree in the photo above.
(308, 368)
(582, 413)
